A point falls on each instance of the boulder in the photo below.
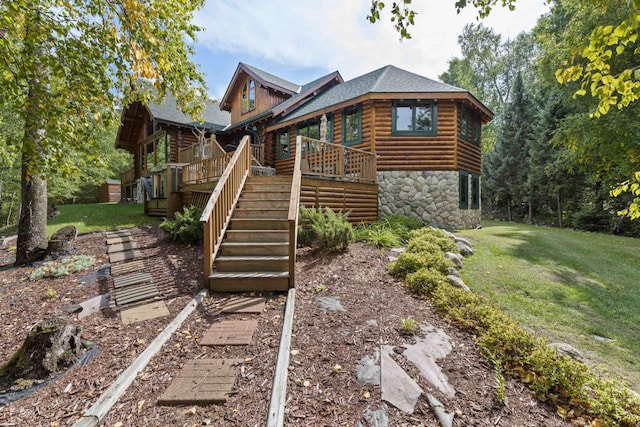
(567, 350)
(455, 258)
(454, 272)
(60, 242)
(461, 240)
(465, 250)
(457, 282)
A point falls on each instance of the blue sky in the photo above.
(301, 40)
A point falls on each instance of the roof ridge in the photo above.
(381, 77)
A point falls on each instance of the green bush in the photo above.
(435, 236)
(406, 263)
(186, 226)
(63, 267)
(424, 281)
(324, 230)
(380, 237)
(592, 218)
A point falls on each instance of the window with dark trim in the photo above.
(248, 96)
(463, 129)
(311, 128)
(352, 125)
(283, 144)
(476, 128)
(475, 191)
(418, 118)
(463, 189)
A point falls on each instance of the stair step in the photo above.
(257, 236)
(263, 203)
(267, 186)
(243, 264)
(266, 194)
(269, 178)
(249, 281)
(259, 224)
(255, 213)
(254, 249)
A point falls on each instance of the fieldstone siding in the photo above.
(431, 196)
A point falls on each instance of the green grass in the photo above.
(93, 217)
(565, 285)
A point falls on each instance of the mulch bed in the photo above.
(317, 395)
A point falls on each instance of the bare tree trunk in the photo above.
(1, 199)
(559, 207)
(530, 219)
(32, 224)
(509, 209)
(10, 213)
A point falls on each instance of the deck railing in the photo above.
(198, 152)
(257, 151)
(205, 170)
(217, 213)
(327, 160)
(294, 203)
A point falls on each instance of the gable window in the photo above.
(475, 191)
(248, 96)
(283, 144)
(463, 189)
(414, 118)
(463, 130)
(352, 125)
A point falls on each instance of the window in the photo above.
(414, 118)
(311, 128)
(463, 189)
(475, 191)
(463, 129)
(283, 144)
(352, 125)
(248, 96)
(476, 127)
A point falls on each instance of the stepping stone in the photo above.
(122, 239)
(398, 388)
(253, 305)
(331, 304)
(136, 293)
(93, 305)
(119, 247)
(202, 381)
(144, 312)
(117, 233)
(124, 256)
(131, 279)
(127, 267)
(230, 332)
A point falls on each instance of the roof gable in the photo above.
(262, 77)
(168, 111)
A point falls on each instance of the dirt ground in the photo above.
(326, 345)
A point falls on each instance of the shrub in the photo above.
(401, 225)
(325, 230)
(592, 218)
(186, 226)
(424, 281)
(63, 267)
(380, 237)
(436, 236)
(406, 263)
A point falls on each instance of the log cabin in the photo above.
(387, 142)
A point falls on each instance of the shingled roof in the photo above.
(168, 112)
(387, 79)
(271, 79)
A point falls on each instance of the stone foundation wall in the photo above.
(431, 196)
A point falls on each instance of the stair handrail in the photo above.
(217, 214)
(294, 202)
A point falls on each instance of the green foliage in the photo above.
(501, 383)
(631, 187)
(64, 267)
(407, 263)
(324, 230)
(186, 226)
(424, 281)
(50, 293)
(408, 325)
(434, 236)
(388, 232)
(592, 218)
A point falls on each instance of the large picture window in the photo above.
(463, 189)
(352, 125)
(248, 96)
(414, 118)
(311, 128)
(283, 144)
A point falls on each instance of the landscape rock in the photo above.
(455, 258)
(567, 350)
(444, 418)
(465, 250)
(398, 388)
(368, 369)
(462, 240)
(457, 282)
(377, 418)
(331, 304)
(454, 272)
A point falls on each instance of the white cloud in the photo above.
(334, 34)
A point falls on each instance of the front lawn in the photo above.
(573, 287)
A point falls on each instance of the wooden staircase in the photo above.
(254, 253)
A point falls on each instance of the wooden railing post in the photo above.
(294, 208)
